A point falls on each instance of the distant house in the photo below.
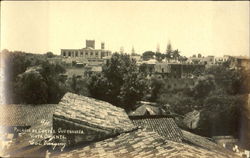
(137, 58)
(209, 60)
(74, 71)
(150, 62)
(191, 119)
(178, 70)
(221, 60)
(146, 108)
(92, 70)
(75, 61)
(239, 62)
(195, 60)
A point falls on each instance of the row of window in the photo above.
(79, 53)
(76, 54)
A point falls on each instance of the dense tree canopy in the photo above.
(31, 88)
(120, 82)
(148, 55)
(232, 81)
(31, 79)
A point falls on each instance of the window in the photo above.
(64, 53)
(69, 54)
(91, 53)
(87, 53)
(76, 53)
(81, 53)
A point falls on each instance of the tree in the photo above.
(50, 55)
(176, 54)
(19, 80)
(156, 85)
(132, 90)
(159, 57)
(51, 74)
(15, 64)
(203, 87)
(232, 81)
(78, 85)
(120, 83)
(148, 55)
(31, 88)
(221, 115)
(169, 48)
(183, 59)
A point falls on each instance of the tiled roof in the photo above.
(146, 109)
(30, 117)
(21, 147)
(94, 113)
(25, 115)
(163, 125)
(203, 142)
(139, 144)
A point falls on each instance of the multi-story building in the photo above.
(177, 70)
(209, 60)
(94, 56)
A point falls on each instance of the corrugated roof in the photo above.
(92, 112)
(139, 144)
(164, 126)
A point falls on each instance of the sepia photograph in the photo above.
(125, 79)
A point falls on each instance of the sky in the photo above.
(208, 27)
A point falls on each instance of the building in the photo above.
(192, 119)
(209, 60)
(93, 55)
(221, 60)
(239, 62)
(178, 70)
(147, 109)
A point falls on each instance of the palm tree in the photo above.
(169, 51)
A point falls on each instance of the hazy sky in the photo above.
(210, 28)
